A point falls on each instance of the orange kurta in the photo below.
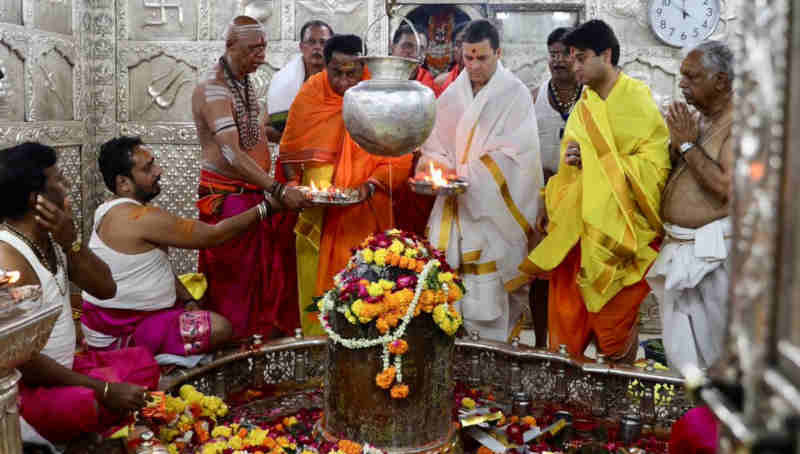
(315, 133)
(451, 77)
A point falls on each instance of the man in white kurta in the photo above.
(286, 83)
(486, 133)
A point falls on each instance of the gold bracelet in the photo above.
(76, 313)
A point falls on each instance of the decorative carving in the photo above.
(172, 20)
(12, 87)
(204, 24)
(52, 81)
(51, 133)
(11, 12)
(177, 133)
(345, 16)
(53, 15)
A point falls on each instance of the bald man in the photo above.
(249, 281)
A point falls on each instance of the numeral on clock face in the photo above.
(683, 22)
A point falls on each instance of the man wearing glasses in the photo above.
(287, 82)
(553, 101)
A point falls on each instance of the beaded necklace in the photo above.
(41, 255)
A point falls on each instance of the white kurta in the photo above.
(285, 85)
(491, 140)
(690, 281)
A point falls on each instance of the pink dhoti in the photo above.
(174, 330)
(251, 278)
(62, 413)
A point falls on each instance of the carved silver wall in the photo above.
(83, 71)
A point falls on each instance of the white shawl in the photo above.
(503, 167)
(285, 85)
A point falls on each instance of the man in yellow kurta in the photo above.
(602, 207)
(319, 149)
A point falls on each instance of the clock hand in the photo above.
(682, 10)
(685, 14)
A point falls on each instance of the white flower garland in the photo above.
(328, 304)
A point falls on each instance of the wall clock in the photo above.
(679, 23)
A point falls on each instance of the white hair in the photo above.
(717, 58)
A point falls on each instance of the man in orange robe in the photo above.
(318, 149)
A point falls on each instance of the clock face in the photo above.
(683, 22)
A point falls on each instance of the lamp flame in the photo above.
(13, 276)
(436, 176)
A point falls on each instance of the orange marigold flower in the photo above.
(529, 420)
(412, 264)
(420, 266)
(426, 297)
(454, 294)
(349, 447)
(270, 443)
(394, 259)
(485, 450)
(399, 391)
(385, 378)
(398, 347)
(403, 262)
(440, 297)
(513, 419)
(382, 325)
(279, 427)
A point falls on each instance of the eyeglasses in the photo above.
(312, 42)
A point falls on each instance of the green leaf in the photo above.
(313, 306)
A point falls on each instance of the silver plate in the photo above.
(323, 200)
(454, 187)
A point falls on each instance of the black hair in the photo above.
(116, 158)
(479, 30)
(313, 23)
(557, 35)
(21, 174)
(346, 44)
(458, 28)
(595, 35)
(403, 29)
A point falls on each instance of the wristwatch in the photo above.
(686, 146)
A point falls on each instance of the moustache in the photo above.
(316, 54)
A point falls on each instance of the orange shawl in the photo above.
(315, 132)
(426, 78)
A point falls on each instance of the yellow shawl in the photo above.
(611, 207)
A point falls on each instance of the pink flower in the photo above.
(406, 282)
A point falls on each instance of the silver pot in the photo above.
(389, 115)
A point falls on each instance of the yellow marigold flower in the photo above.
(236, 443)
(380, 257)
(387, 285)
(216, 447)
(367, 255)
(447, 318)
(397, 247)
(393, 232)
(350, 317)
(168, 434)
(222, 410)
(283, 442)
(290, 421)
(221, 431)
(375, 289)
(306, 451)
(256, 437)
(174, 404)
(468, 403)
(172, 449)
(411, 253)
(445, 277)
(185, 390)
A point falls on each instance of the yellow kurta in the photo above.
(611, 206)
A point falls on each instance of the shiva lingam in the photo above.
(389, 115)
(25, 325)
(434, 182)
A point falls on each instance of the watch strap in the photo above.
(686, 146)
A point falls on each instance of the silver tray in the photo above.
(453, 187)
(12, 298)
(320, 199)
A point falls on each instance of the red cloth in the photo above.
(451, 77)
(695, 433)
(252, 279)
(426, 78)
(62, 413)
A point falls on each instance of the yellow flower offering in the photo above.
(468, 403)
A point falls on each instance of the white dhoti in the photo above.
(690, 281)
(489, 139)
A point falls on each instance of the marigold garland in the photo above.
(413, 278)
